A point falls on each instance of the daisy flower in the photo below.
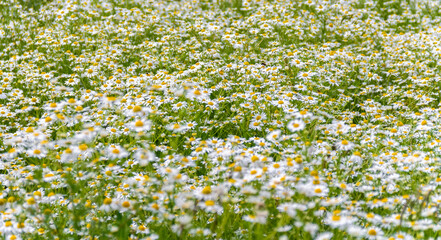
(38, 152)
(115, 151)
(274, 135)
(344, 145)
(140, 125)
(296, 125)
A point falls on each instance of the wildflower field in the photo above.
(220, 119)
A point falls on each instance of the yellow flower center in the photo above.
(115, 151)
(137, 109)
(206, 190)
(83, 147)
(139, 123)
(31, 201)
(372, 232)
(126, 204)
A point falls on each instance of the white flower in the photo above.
(424, 125)
(259, 217)
(255, 125)
(140, 125)
(311, 228)
(337, 221)
(90, 72)
(296, 125)
(345, 145)
(325, 236)
(176, 127)
(285, 228)
(211, 206)
(109, 205)
(144, 156)
(274, 135)
(38, 152)
(116, 152)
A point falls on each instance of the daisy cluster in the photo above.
(228, 119)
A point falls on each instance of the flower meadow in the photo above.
(226, 119)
